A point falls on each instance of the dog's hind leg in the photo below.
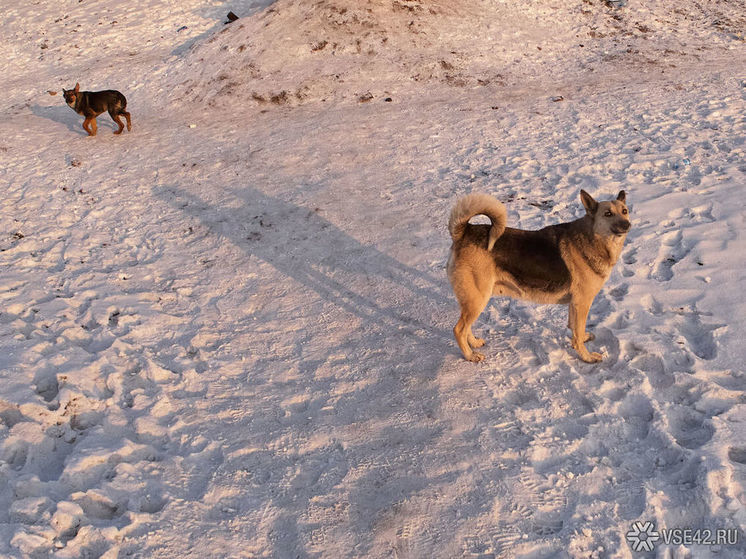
(127, 117)
(472, 305)
(115, 114)
(119, 122)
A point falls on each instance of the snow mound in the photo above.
(298, 51)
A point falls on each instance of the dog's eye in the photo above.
(608, 213)
(624, 211)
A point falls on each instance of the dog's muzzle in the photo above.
(621, 227)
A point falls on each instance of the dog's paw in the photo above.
(593, 357)
(475, 357)
(476, 342)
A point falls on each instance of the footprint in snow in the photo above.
(46, 385)
(618, 293)
(737, 454)
(653, 367)
(689, 427)
(637, 411)
(699, 336)
(673, 250)
(630, 256)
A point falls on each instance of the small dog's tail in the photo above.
(478, 204)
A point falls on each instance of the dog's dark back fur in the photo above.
(93, 103)
(533, 258)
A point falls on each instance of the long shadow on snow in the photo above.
(286, 236)
(395, 355)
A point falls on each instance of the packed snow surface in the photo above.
(227, 333)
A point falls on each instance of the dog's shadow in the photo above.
(301, 244)
(371, 351)
(65, 115)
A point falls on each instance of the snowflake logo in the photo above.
(642, 536)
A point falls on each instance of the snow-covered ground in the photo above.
(227, 333)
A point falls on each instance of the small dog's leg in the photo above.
(86, 123)
(578, 316)
(129, 122)
(119, 123)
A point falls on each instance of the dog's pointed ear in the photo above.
(622, 196)
(590, 204)
(77, 87)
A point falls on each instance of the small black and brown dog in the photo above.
(90, 104)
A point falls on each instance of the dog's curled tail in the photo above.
(478, 204)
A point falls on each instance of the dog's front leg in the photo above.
(89, 125)
(589, 336)
(578, 316)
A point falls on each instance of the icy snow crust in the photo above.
(227, 333)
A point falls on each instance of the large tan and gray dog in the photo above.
(567, 263)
